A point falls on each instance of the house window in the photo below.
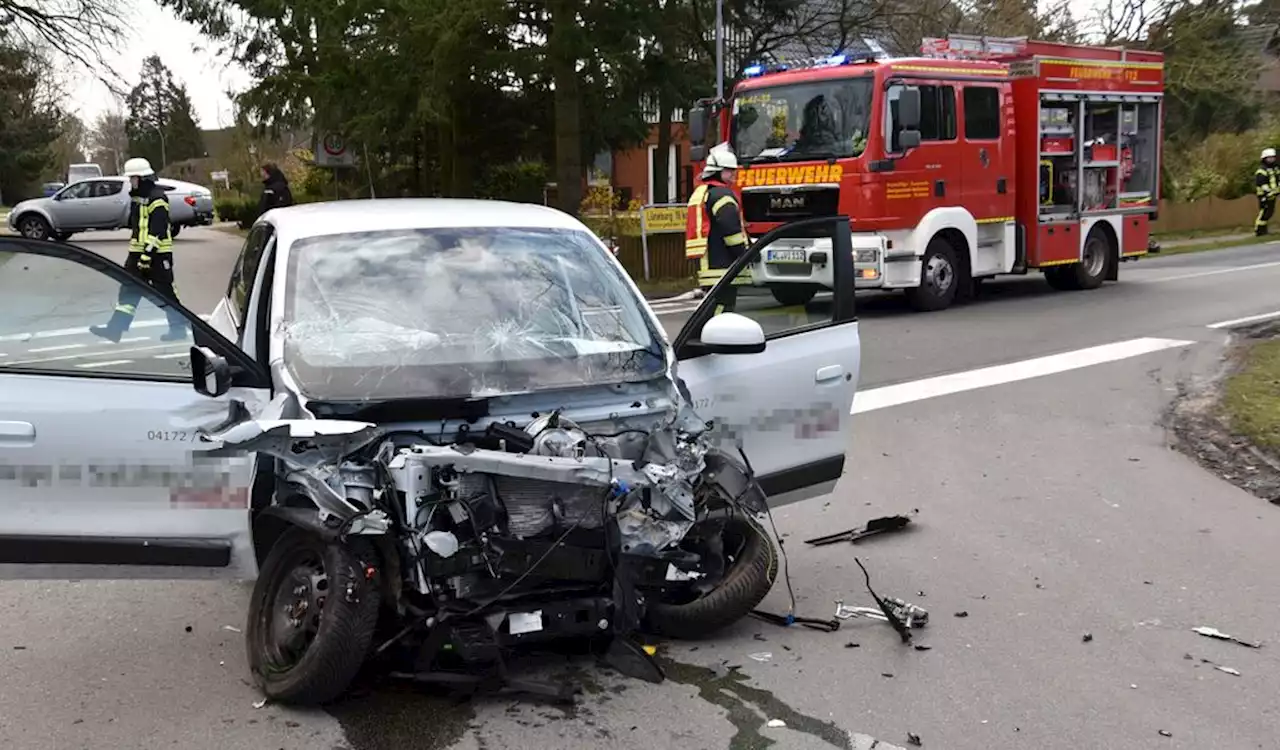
(673, 174)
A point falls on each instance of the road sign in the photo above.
(332, 151)
(664, 219)
(220, 176)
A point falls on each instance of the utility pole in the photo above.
(720, 49)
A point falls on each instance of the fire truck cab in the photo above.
(979, 158)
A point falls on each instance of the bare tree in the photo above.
(108, 140)
(80, 31)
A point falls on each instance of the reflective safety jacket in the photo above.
(714, 225)
(155, 233)
(1266, 182)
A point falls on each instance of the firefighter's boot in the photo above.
(176, 332)
(114, 328)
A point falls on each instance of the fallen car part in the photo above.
(1219, 635)
(909, 614)
(890, 608)
(813, 623)
(873, 527)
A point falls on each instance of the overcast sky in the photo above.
(205, 76)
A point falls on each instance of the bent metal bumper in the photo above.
(808, 261)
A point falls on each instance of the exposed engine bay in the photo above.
(519, 533)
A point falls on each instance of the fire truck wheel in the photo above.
(793, 294)
(1091, 271)
(939, 278)
(1061, 278)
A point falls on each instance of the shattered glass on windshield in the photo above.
(470, 312)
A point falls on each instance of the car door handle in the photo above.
(20, 434)
(828, 373)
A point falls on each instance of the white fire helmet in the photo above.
(1268, 153)
(720, 157)
(138, 167)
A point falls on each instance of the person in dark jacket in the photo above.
(275, 189)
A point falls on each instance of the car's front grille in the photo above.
(790, 205)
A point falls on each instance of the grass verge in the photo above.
(1251, 396)
(1209, 244)
(659, 288)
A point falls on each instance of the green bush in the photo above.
(1219, 166)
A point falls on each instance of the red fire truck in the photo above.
(979, 158)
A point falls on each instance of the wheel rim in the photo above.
(33, 229)
(735, 541)
(295, 604)
(1095, 256)
(939, 274)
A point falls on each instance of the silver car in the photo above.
(102, 203)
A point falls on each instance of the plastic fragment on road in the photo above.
(232, 629)
(872, 527)
(761, 656)
(1218, 634)
(1228, 670)
(914, 740)
(260, 704)
(777, 724)
(1165, 733)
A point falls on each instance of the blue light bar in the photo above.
(753, 70)
(836, 60)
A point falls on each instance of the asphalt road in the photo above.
(1049, 508)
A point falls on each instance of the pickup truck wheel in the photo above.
(63, 236)
(746, 582)
(174, 229)
(34, 227)
(793, 294)
(311, 617)
(939, 278)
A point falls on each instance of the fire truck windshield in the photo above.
(800, 121)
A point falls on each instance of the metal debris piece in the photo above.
(1087, 637)
(777, 724)
(260, 704)
(922, 647)
(761, 656)
(914, 740)
(911, 615)
(1215, 633)
(874, 526)
(962, 613)
(1228, 670)
(1165, 733)
(232, 629)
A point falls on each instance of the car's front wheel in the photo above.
(174, 229)
(312, 617)
(34, 227)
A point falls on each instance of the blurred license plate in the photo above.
(788, 256)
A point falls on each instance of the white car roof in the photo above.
(339, 217)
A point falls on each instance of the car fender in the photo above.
(43, 211)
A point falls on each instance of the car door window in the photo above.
(78, 190)
(981, 113)
(245, 271)
(937, 115)
(104, 188)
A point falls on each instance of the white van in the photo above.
(77, 172)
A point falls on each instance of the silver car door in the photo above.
(786, 399)
(101, 467)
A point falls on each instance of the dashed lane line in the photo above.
(34, 335)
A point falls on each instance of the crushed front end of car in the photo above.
(444, 555)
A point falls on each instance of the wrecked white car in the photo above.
(457, 432)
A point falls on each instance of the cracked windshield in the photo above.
(545, 376)
(802, 121)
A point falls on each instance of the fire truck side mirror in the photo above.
(909, 109)
(909, 139)
(698, 126)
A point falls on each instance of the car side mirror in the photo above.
(731, 333)
(210, 374)
(909, 108)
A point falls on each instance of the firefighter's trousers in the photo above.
(157, 270)
(709, 277)
(1266, 209)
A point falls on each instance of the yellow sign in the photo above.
(664, 220)
(790, 175)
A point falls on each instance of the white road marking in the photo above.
(1201, 274)
(88, 365)
(83, 329)
(59, 348)
(172, 356)
(945, 385)
(86, 355)
(1245, 321)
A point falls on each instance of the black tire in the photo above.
(34, 227)
(349, 604)
(940, 277)
(793, 294)
(63, 236)
(1061, 278)
(1097, 258)
(174, 229)
(745, 584)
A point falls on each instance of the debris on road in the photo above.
(1087, 637)
(901, 615)
(873, 527)
(260, 704)
(922, 647)
(1165, 733)
(762, 656)
(1228, 670)
(232, 629)
(962, 613)
(851, 644)
(1218, 634)
(777, 724)
(914, 740)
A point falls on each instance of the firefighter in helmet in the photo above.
(150, 254)
(1267, 185)
(714, 233)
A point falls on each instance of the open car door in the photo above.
(778, 379)
(101, 472)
